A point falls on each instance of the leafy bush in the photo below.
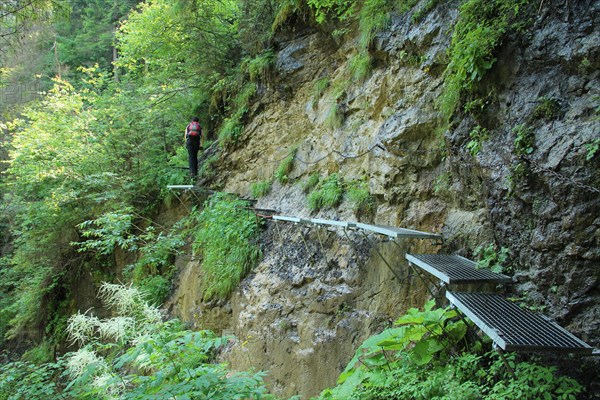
(260, 189)
(259, 66)
(25, 380)
(492, 259)
(225, 231)
(330, 8)
(425, 357)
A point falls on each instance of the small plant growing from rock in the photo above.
(478, 135)
(286, 166)
(260, 189)
(524, 140)
(328, 194)
(546, 109)
(319, 88)
(359, 196)
(591, 149)
(492, 259)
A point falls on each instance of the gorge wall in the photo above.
(317, 294)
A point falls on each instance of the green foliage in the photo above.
(328, 194)
(330, 9)
(373, 17)
(476, 107)
(285, 167)
(418, 338)
(406, 5)
(311, 182)
(111, 230)
(224, 237)
(359, 196)
(591, 149)
(42, 353)
(259, 66)
(546, 109)
(132, 355)
(285, 10)
(424, 357)
(478, 135)
(524, 140)
(480, 29)
(493, 259)
(26, 380)
(261, 189)
(233, 126)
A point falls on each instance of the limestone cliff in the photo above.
(317, 294)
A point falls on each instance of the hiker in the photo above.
(193, 137)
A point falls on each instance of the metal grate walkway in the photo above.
(515, 329)
(455, 269)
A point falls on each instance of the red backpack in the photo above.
(194, 129)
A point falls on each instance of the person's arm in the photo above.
(185, 133)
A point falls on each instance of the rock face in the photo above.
(317, 294)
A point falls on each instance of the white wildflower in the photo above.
(151, 314)
(81, 327)
(125, 299)
(116, 328)
(82, 359)
(111, 387)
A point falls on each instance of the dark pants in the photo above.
(193, 145)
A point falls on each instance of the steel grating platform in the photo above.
(394, 232)
(455, 269)
(515, 329)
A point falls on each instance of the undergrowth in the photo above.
(225, 240)
(427, 355)
(131, 355)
